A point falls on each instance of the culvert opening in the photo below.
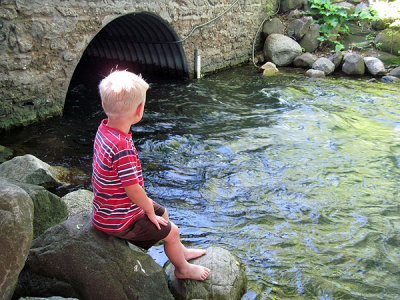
(141, 42)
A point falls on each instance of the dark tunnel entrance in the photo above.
(142, 43)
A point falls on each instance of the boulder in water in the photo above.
(269, 69)
(227, 280)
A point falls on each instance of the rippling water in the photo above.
(299, 178)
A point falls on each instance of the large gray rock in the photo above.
(287, 5)
(395, 72)
(374, 66)
(49, 210)
(337, 59)
(353, 64)
(294, 14)
(310, 40)
(325, 65)
(299, 27)
(305, 60)
(73, 259)
(227, 279)
(281, 49)
(16, 232)
(30, 169)
(78, 201)
(273, 26)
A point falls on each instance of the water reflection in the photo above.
(299, 178)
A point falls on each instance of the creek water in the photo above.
(298, 178)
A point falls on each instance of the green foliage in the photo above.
(338, 46)
(367, 15)
(332, 19)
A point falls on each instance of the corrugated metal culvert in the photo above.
(142, 42)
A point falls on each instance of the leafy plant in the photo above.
(367, 15)
(332, 19)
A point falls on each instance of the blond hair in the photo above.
(122, 91)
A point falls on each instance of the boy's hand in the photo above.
(157, 220)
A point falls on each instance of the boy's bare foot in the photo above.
(194, 272)
(193, 253)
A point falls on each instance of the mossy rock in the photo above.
(5, 153)
(388, 40)
(49, 210)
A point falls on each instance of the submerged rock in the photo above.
(269, 69)
(315, 73)
(227, 279)
(16, 232)
(73, 259)
(390, 79)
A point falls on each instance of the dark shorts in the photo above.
(142, 232)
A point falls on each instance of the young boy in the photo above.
(120, 205)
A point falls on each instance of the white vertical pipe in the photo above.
(197, 63)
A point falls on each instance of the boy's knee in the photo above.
(173, 234)
(165, 215)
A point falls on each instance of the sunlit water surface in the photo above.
(298, 178)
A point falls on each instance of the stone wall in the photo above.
(41, 42)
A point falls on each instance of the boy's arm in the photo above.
(137, 194)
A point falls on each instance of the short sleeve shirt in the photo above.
(115, 165)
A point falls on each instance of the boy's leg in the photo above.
(176, 254)
(188, 253)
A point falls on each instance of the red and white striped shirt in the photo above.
(115, 165)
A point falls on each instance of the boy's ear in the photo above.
(140, 109)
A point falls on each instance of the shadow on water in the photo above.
(299, 178)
